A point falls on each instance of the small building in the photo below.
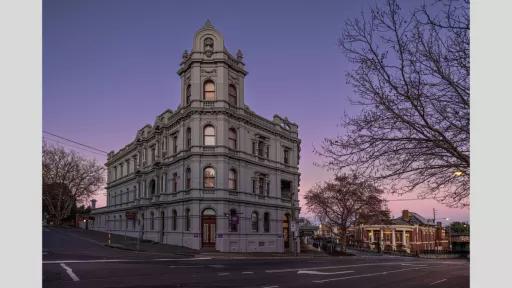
(411, 233)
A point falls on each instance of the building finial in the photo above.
(239, 55)
(208, 24)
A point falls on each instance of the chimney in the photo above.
(405, 215)
(93, 204)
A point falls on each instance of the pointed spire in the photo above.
(208, 24)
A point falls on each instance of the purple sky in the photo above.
(109, 67)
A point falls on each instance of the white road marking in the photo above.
(438, 282)
(223, 274)
(333, 267)
(368, 275)
(248, 272)
(413, 265)
(217, 266)
(122, 260)
(322, 273)
(70, 272)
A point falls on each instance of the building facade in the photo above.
(212, 174)
(409, 233)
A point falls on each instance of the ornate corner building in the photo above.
(212, 174)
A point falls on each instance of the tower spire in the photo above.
(208, 24)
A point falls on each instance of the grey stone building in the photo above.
(212, 174)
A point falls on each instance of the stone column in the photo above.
(393, 239)
(381, 239)
(404, 243)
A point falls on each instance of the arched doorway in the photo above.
(208, 228)
(286, 231)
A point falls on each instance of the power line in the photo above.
(76, 142)
(73, 146)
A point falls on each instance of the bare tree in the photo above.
(412, 78)
(337, 203)
(68, 179)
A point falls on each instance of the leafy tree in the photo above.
(337, 203)
(411, 76)
(68, 179)
(459, 228)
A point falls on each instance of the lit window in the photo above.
(209, 135)
(209, 91)
(232, 179)
(209, 177)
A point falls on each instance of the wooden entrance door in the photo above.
(286, 232)
(208, 231)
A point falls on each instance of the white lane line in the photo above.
(322, 273)
(438, 282)
(368, 275)
(122, 260)
(70, 272)
(248, 272)
(223, 274)
(333, 267)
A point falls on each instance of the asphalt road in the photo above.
(72, 261)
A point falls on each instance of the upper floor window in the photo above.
(188, 177)
(254, 221)
(188, 94)
(175, 144)
(286, 189)
(209, 177)
(189, 137)
(232, 138)
(153, 154)
(266, 222)
(232, 179)
(164, 183)
(232, 95)
(286, 156)
(209, 91)
(187, 219)
(209, 135)
(175, 182)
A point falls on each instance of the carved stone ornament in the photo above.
(208, 47)
(208, 72)
(233, 79)
(185, 55)
(239, 55)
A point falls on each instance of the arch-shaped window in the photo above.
(232, 138)
(209, 135)
(254, 221)
(209, 91)
(233, 221)
(209, 177)
(209, 212)
(187, 219)
(174, 220)
(266, 222)
(188, 94)
(188, 178)
(189, 138)
(232, 95)
(152, 221)
(232, 179)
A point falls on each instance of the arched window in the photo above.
(209, 177)
(254, 221)
(174, 220)
(209, 91)
(209, 135)
(266, 222)
(232, 138)
(232, 95)
(189, 138)
(188, 178)
(233, 221)
(187, 219)
(188, 94)
(152, 221)
(232, 179)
